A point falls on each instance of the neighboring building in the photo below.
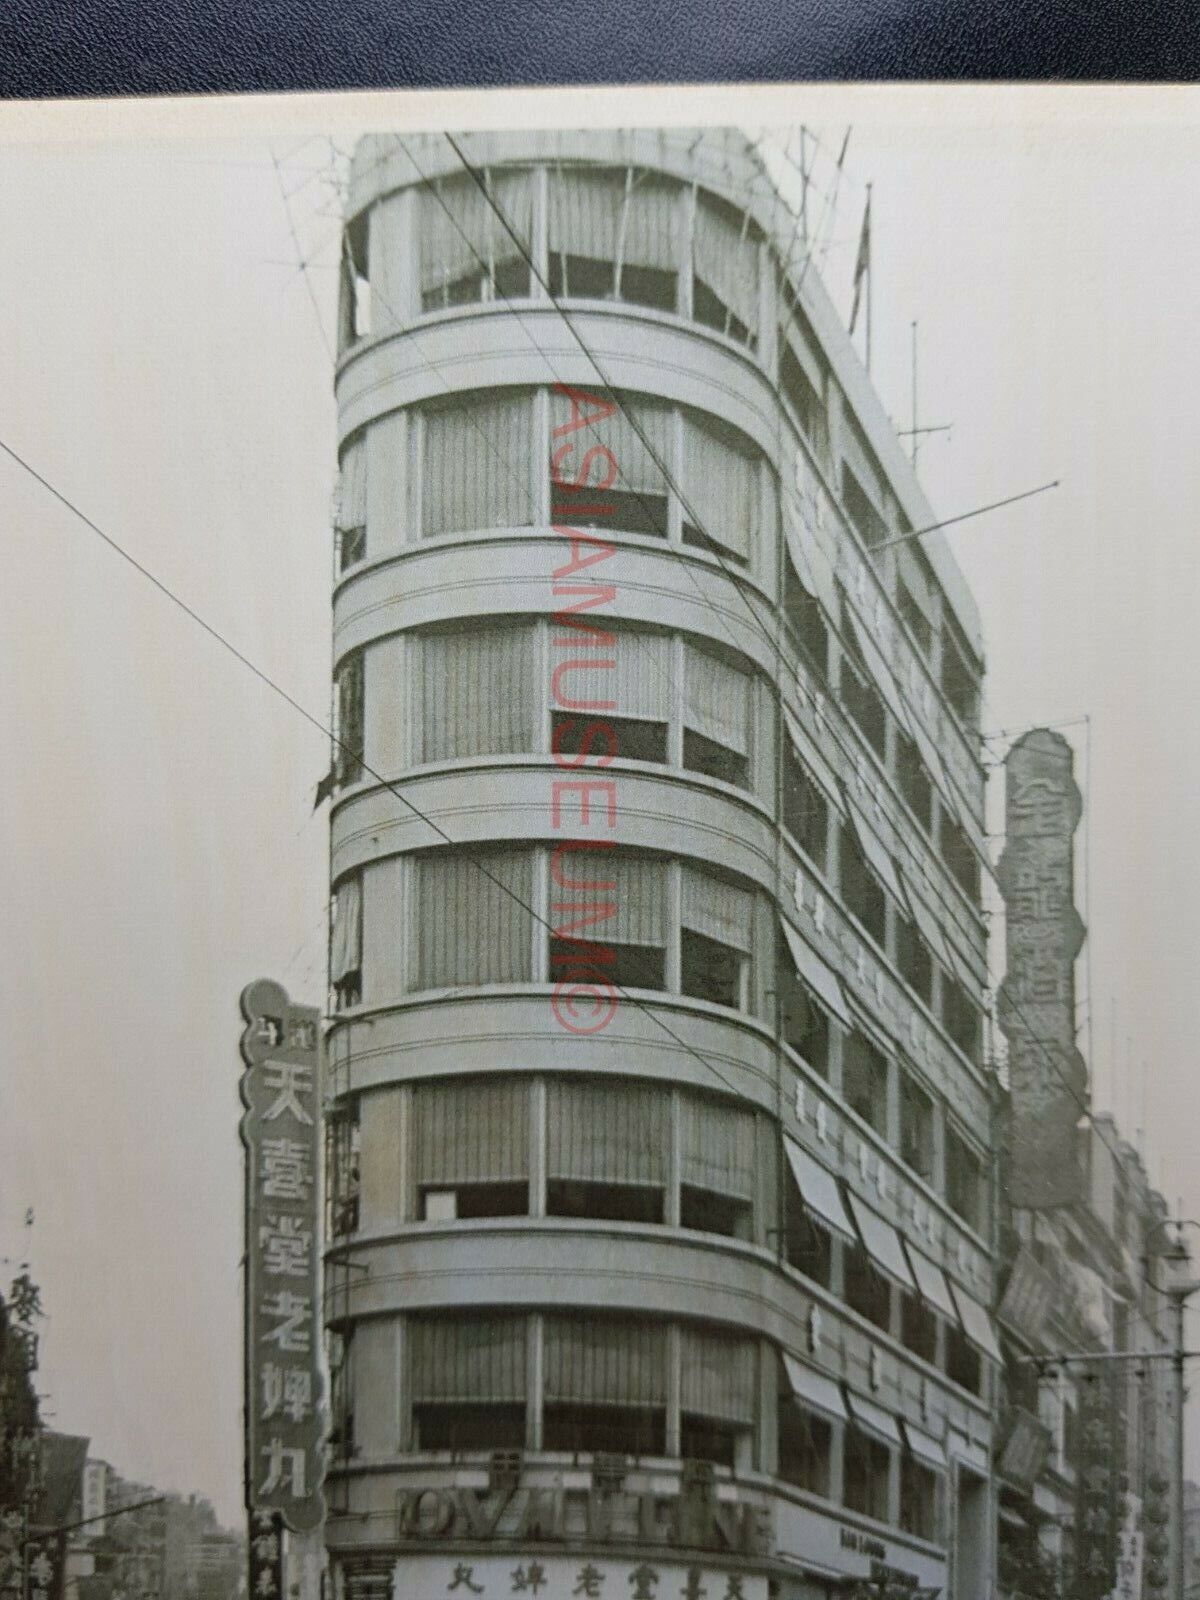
(1191, 1521)
(687, 1297)
(1077, 1281)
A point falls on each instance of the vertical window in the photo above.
(608, 914)
(959, 855)
(862, 699)
(605, 1385)
(808, 1245)
(352, 504)
(606, 1149)
(866, 1471)
(918, 1497)
(341, 1394)
(477, 691)
(720, 486)
(636, 433)
(799, 392)
(806, 620)
(354, 305)
(914, 617)
(915, 784)
(918, 1327)
(805, 1024)
(633, 673)
(961, 1017)
(345, 948)
(862, 893)
(348, 762)
(716, 718)
(468, 1382)
(717, 1409)
(475, 245)
(866, 1290)
(612, 234)
(725, 269)
(801, 370)
(477, 466)
(473, 919)
(718, 1167)
(805, 1444)
(342, 1184)
(872, 529)
(964, 1181)
(913, 959)
(805, 809)
(864, 1081)
(715, 939)
(960, 677)
(471, 1147)
(916, 1128)
(964, 1364)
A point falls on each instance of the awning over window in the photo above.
(931, 1281)
(967, 1451)
(819, 1190)
(817, 974)
(814, 1389)
(882, 1242)
(878, 666)
(877, 855)
(924, 1446)
(873, 1418)
(816, 763)
(977, 1324)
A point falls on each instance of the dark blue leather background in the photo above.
(94, 47)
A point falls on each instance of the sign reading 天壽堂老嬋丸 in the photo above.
(280, 1130)
(1047, 1074)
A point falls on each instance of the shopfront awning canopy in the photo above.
(883, 1243)
(817, 974)
(819, 1190)
(932, 1284)
(977, 1324)
(873, 1418)
(815, 1390)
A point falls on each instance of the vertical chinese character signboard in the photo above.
(1100, 1487)
(1047, 1075)
(280, 1090)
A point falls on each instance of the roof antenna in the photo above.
(915, 432)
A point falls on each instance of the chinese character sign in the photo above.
(1047, 1075)
(280, 1090)
(581, 1577)
(1100, 1489)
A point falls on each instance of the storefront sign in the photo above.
(1047, 1075)
(1100, 1492)
(693, 1519)
(1028, 1296)
(1025, 1450)
(594, 1577)
(280, 1090)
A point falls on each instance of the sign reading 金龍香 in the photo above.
(1047, 1075)
(280, 1130)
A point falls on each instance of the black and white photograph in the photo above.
(599, 871)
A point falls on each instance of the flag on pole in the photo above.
(862, 262)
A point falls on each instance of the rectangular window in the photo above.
(468, 1377)
(918, 1497)
(612, 234)
(808, 1245)
(345, 942)
(637, 436)
(601, 736)
(805, 1445)
(866, 1471)
(862, 893)
(474, 918)
(630, 670)
(913, 959)
(342, 1185)
(805, 1024)
(805, 618)
(477, 473)
(351, 521)
(715, 939)
(960, 677)
(914, 617)
(864, 1081)
(959, 855)
(475, 245)
(915, 783)
(471, 1147)
(477, 694)
(964, 1181)
(351, 720)
(717, 1409)
(718, 1165)
(720, 487)
(609, 916)
(605, 1385)
(805, 809)
(961, 1017)
(725, 269)
(864, 704)
(866, 1290)
(798, 390)
(964, 1364)
(872, 529)
(918, 1327)
(606, 1149)
(916, 1128)
(716, 716)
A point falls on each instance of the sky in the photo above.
(166, 368)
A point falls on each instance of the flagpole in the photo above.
(870, 280)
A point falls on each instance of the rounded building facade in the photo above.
(659, 1240)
